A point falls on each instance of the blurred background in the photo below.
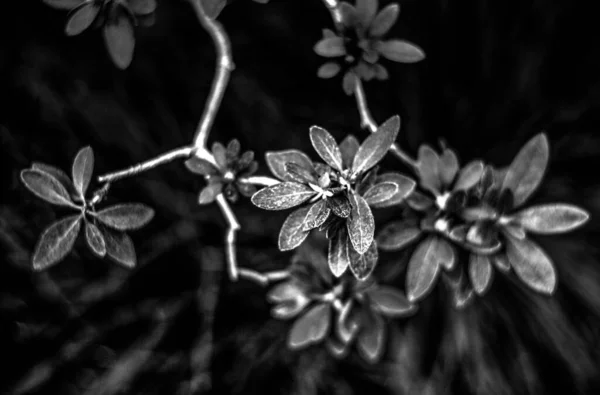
(496, 73)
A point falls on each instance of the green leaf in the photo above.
(56, 242)
(360, 224)
(60, 175)
(424, 267)
(120, 40)
(385, 19)
(82, 19)
(201, 166)
(290, 299)
(220, 154)
(348, 14)
(311, 328)
(126, 216)
(397, 235)
(390, 302)
(317, 215)
(144, 7)
(372, 339)
(94, 239)
(501, 262)
(348, 322)
(552, 218)
(374, 148)
(300, 174)
(418, 201)
(291, 234)
(325, 145)
(531, 264)
(340, 206)
(277, 160)
(469, 176)
(362, 265)
(400, 51)
(119, 247)
(349, 82)
(349, 147)
(480, 272)
(428, 168)
(330, 47)
(366, 11)
(406, 186)
(46, 187)
(448, 167)
(63, 4)
(209, 193)
(338, 254)
(380, 193)
(527, 169)
(83, 167)
(282, 196)
(328, 70)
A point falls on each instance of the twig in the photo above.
(233, 227)
(263, 279)
(262, 181)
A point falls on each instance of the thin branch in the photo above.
(261, 181)
(183, 152)
(335, 10)
(233, 227)
(263, 279)
(223, 70)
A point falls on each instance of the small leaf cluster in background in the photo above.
(359, 44)
(117, 19)
(104, 229)
(336, 196)
(227, 175)
(214, 7)
(339, 313)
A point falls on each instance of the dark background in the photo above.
(496, 73)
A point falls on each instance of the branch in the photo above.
(233, 227)
(261, 181)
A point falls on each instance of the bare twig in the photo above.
(233, 227)
(262, 181)
(263, 279)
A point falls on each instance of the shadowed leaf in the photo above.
(448, 167)
(325, 145)
(366, 11)
(349, 147)
(282, 196)
(95, 239)
(527, 169)
(120, 40)
(60, 175)
(317, 215)
(469, 176)
(56, 242)
(362, 265)
(380, 193)
(400, 51)
(83, 167)
(119, 247)
(330, 47)
(290, 300)
(201, 166)
(406, 186)
(428, 168)
(338, 254)
(374, 148)
(423, 268)
(552, 218)
(372, 339)
(81, 19)
(349, 82)
(340, 205)
(360, 224)
(311, 328)
(300, 174)
(291, 234)
(63, 4)
(328, 70)
(390, 302)
(143, 7)
(397, 235)
(480, 272)
(277, 160)
(531, 264)
(385, 19)
(126, 216)
(46, 187)
(209, 193)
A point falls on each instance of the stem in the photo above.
(261, 181)
(234, 226)
(223, 70)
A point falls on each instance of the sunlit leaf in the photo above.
(397, 235)
(209, 193)
(330, 47)
(390, 302)
(446, 254)
(60, 175)
(480, 272)
(374, 148)
(531, 264)
(380, 193)
(360, 224)
(325, 145)
(282, 196)
(219, 154)
(94, 239)
(301, 174)
(317, 215)
(385, 19)
(372, 339)
(126, 216)
(83, 167)
(428, 168)
(144, 7)
(501, 262)
(448, 167)
(310, 328)
(290, 300)
(291, 234)
(56, 242)
(527, 169)
(423, 268)
(362, 265)
(400, 51)
(469, 176)
(120, 40)
(277, 160)
(63, 4)
(119, 247)
(406, 186)
(349, 147)
(46, 187)
(552, 218)
(82, 19)
(201, 166)
(328, 70)
(338, 253)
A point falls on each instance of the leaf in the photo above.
(142, 7)
(480, 272)
(397, 235)
(406, 186)
(46, 187)
(56, 242)
(95, 239)
(300, 174)
(317, 215)
(210, 192)
(201, 166)
(469, 176)
(291, 234)
(325, 145)
(290, 299)
(330, 47)
(390, 302)
(428, 167)
(446, 254)
(366, 10)
(362, 265)
(311, 328)
(126, 216)
(385, 19)
(360, 224)
(348, 148)
(552, 218)
(328, 70)
(340, 205)
(531, 264)
(338, 254)
(448, 167)
(501, 262)
(83, 167)
(282, 196)
(527, 169)
(120, 40)
(423, 268)
(349, 82)
(380, 193)
(60, 175)
(374, 148)
(82, 19)
(372, 339)
(418, 201)
(63, 4)
(348, 322)
(119, 247)
(400, 51)
(276, 160)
